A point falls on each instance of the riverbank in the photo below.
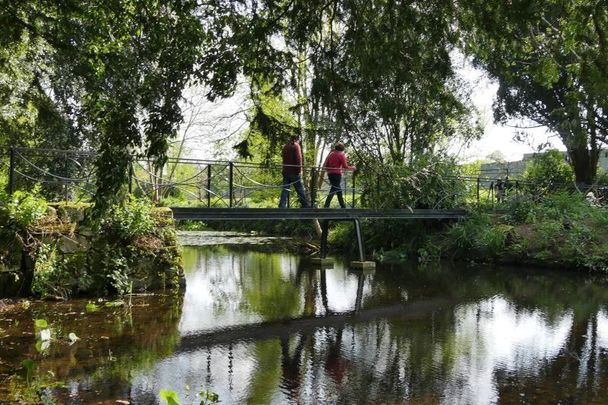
(557, 231)
(561, 230)
(57, 251)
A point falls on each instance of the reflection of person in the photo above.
(335, 363)
(334, 164)
(290, 365)
(292, 169)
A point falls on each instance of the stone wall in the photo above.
(64, 255)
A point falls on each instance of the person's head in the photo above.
(294, 139)
(339, 147)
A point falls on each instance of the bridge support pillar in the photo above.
(361, 263)
(358, 264)
(324, 234)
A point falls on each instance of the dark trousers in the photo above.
(335, 179)
(296, 181)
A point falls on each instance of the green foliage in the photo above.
(548, 171)
(34, 387)
(560, 230)
(555, 207)
(116, 72)
(169, 396)
(549, 59)
(431, 181)
(134, 245)
(209, 397)
(129, 219)
(22, 209)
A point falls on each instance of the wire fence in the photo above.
(70, 175)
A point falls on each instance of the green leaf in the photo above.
(41, 324)
(91, 307)
(29, 365)
(209, 397)
(170, 397)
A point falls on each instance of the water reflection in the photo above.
(271, 328)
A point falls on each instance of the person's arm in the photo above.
(299, 158)
(346, 165)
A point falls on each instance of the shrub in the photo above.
(22, 209)
(128, 220)
(549, 171)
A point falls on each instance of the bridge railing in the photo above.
(61, 175)
(70, 175)
(197, 182)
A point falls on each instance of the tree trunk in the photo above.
(584, 164)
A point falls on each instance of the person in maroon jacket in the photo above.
(334, 165)
(292, 169)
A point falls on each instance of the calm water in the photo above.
(271, 328)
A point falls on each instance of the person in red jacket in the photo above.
(334, 165)
(292, 169)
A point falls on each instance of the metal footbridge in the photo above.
(325, 215)
(227, 190)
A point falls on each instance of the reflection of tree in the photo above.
(431, 346)
(431, 356)
(267, 290)
(267, 372)
(116, 342)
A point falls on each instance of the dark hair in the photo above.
(339, 146)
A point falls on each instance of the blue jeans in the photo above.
(296, 181)
(335, 179)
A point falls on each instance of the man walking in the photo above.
(292, 170)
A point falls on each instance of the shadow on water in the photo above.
(263, 327)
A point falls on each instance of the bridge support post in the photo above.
(361, 263)
(324, 234)
(359, 240)
(209, 185)
(353, 196)
(11, 174)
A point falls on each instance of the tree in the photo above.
(549, 170)
(550, 59)
(118, 67)
(389, 78)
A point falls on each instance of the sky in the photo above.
(499, 137)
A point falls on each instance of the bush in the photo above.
(22, 209)
(549, 171)
(429, 182)
(128, 220)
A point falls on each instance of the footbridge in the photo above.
(324, 215)
(214, 190)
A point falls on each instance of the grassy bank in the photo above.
(560, 230)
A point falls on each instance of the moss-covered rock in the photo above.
(133, 248)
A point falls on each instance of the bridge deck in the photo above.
(217, 214)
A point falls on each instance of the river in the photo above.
(260, 327)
